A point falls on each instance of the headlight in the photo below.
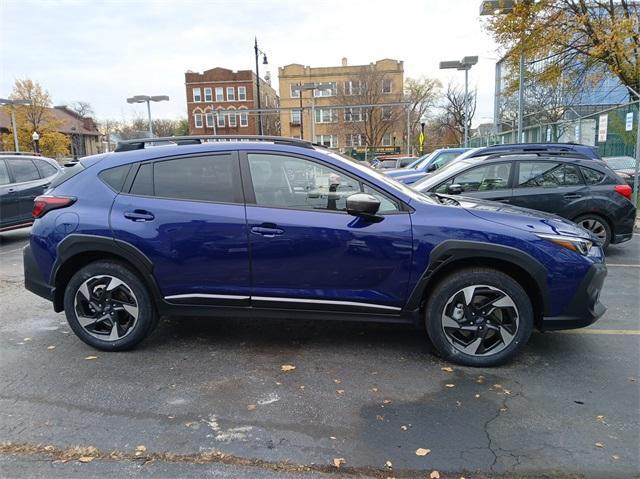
(579, 245)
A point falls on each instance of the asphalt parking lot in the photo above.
(207, 398)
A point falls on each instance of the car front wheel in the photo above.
(109, 307)
(479, 317)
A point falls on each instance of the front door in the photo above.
(308, 253)
(187, 216)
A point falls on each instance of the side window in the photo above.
(547, 175)
(143, 182)
(484, 178)
(289, 182)
(4, 174)
(23, 170)
(114, 177)
(387, 205)
(594, 177)
(45, 168)
(202, 178)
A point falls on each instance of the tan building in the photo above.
(217, 101)
(337, 95)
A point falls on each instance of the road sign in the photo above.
(602, 128)
(629, 123)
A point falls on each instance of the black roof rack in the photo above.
(563, 154)
(140, 143)
(20, 153)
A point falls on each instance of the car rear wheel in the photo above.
(109, 307)
(479, 317)
(598, 226)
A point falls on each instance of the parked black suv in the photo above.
(585, 191)
(22, 178)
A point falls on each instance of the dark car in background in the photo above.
(22, 178)
(582, 190)
(393, 162)
(624, 166)
(425, 164)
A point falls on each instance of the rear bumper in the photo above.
(33, 279)
(585, 307)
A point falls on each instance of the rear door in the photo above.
(8, 197)
(27, 185)
(187, 215)
(555, 187)
(488, 181)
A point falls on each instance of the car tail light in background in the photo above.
(44, 204)
(624, 190)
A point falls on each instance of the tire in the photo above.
(462, 333)
(105, 293)
(597, 225)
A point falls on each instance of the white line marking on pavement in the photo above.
(624, 265)
(11, 250)
(611, 332)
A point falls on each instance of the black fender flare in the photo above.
(450, 251)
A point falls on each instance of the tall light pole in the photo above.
(36, 141)
(501, 7)
(148, 99)
(465, 64)
(12, 104)
(259, 52)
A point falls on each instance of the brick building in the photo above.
(217, 101)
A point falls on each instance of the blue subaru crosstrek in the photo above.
(278, 227)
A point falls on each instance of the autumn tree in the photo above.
(585, 38)
(83, 109)
(453, 113)
(421, 94)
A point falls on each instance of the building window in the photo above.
(219, 94)
(220, 116)
(295, 91)
(352, 87)
(325, 115)
(295, 117)
(355, 139)
(328, 141)
(208, 96)
(325, 89)
(386, 113)
(387, 86)
(353, 114)
(233, 120)
(231, 93)
(242, 93)
(386, 139)
(197, 95)
(198, 119)
(209, 119)
(244, 119)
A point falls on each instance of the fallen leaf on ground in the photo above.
(450, 385)
(447, 369)
(51, 347)
(404, 428)
(477, 396)
(140, 450)
(374, 390)
(497, 386)
(388, 464)
(332, 437)
(599, 444)
(422, 451)
(86, 458)
(91, 357)
(600, 418)
(27, 339)
(434, 475)
(301, 387)
(339, 392)
(251, 407)
(615, 457)
(379, 417)
(337, 381)
(338, 461)
(287, 367)
(503, 409)
(386, 401)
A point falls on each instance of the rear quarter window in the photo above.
(595, 177)
(115, 177)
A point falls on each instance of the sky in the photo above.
(103, 51)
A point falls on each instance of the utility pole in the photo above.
(12, 104)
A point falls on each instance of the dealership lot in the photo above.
(371, 395)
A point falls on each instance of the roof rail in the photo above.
(20, 153)
(563, 154)
(140, 143)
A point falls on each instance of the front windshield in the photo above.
(415, 163)
(442, 174)
(424, 160)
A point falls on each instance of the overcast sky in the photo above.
(102, 51)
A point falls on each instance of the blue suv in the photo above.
(269, 226)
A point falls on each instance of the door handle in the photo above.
(139, 215)
(267, 231)
(502, 200)
(571, 196)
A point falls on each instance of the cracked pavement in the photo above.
(366, 393)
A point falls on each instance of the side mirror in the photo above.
(362, 204)
(455, 189)
(432, 167)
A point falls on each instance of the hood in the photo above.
(523, 219)
(395, 172)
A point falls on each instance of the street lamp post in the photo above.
(12, 104)
(465, 64)
(259, 52)
(148, 99)
(498, 7)
(36, 141)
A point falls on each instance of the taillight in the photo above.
(624, 190)
(44, 204)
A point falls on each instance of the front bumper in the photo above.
(33, 279)
(585, 307)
